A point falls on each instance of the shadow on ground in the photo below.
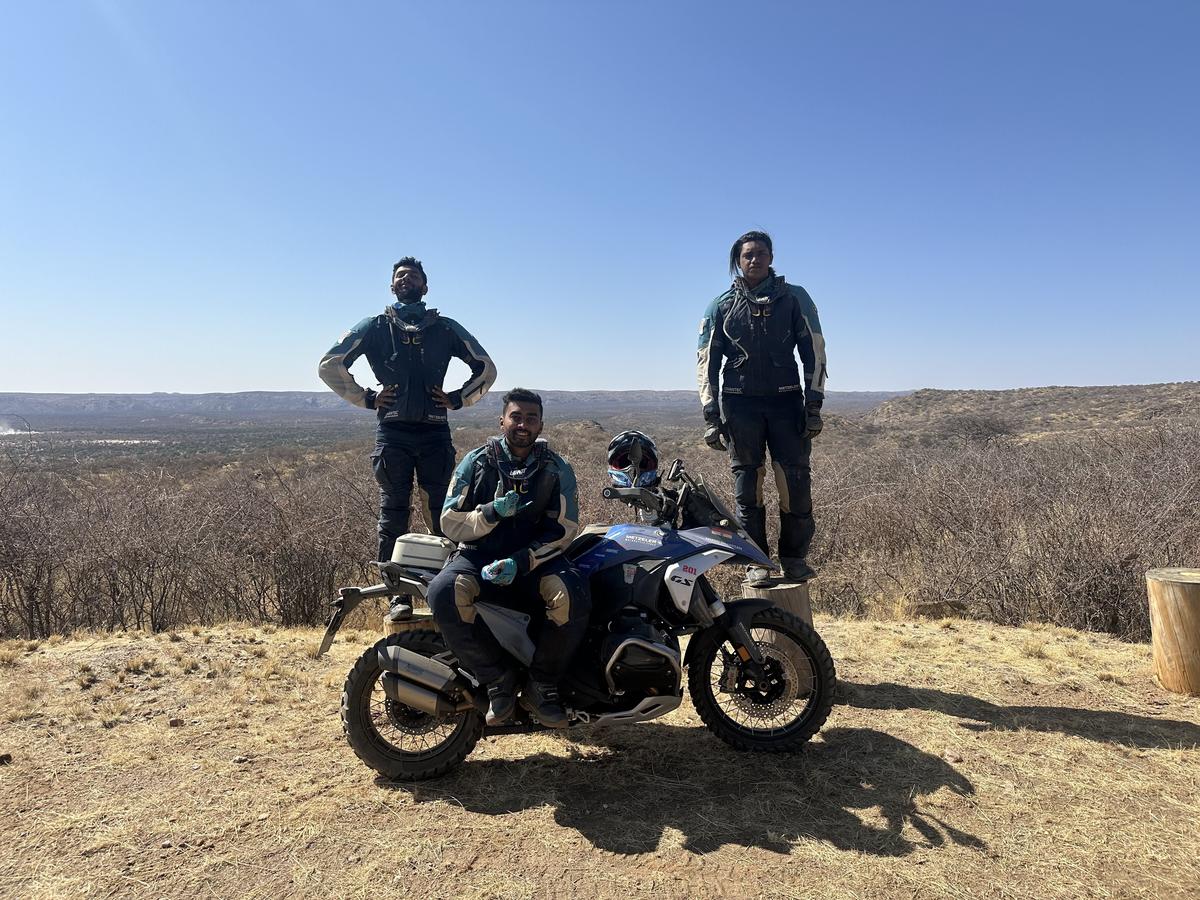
(631, 783)
(1127, 729)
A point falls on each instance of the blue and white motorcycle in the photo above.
(760, 678)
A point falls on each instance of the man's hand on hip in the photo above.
(501, 572)
(444, 400)
(386, 398)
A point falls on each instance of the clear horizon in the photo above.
(499, 389)
(202, 199)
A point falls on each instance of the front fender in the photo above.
(736, 612)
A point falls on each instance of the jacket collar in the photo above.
(770, 288)
(511, 467)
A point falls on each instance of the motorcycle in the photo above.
(760, 678)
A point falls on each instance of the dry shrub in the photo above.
(1059, 530)
(139, 550)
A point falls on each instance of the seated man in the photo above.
(513, 509)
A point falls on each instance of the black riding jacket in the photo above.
(748, 345)
(534, 534)
(409, 348)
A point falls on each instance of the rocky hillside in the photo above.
(1042, 410)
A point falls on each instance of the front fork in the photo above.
(746, 648)
(732, 619)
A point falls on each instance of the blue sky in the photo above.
(205, 196)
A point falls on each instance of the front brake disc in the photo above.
(764, 701)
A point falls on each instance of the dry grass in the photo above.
(965, 759)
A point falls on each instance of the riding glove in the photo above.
(812, 423)
(509, 505)
(715, 436)
(500, 572)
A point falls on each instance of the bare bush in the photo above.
(1059, 530)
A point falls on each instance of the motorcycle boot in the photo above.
(401, 610)
(757, 576)
(541, 700)
(502, 699)
(797, 570)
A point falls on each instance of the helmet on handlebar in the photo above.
(632, 460)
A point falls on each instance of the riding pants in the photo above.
(555, 594)
(756, 425)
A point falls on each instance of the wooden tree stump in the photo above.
(421, 618)
(787, 595)
(1175, 628)
(790, 597)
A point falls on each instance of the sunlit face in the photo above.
(521, 424)
(755, 261)
(407, 284)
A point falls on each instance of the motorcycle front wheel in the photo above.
(397, 741)
(781, 709)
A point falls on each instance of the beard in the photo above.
(411, 295)
(522, 440)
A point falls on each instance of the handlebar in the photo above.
(636, 494)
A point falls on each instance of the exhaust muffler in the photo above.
(422, 683)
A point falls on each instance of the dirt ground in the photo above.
(963, 759)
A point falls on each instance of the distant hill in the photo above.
(258, 405)
(1025, 411)
(1033, 411)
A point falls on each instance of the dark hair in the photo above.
(520, 395)
(411, 262)
(735, 252)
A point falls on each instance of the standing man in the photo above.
(748, 340)
(513, 509)
(408, 347)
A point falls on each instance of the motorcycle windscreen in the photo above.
(723, 539)
(719, 505)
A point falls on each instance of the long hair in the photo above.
(735, 251)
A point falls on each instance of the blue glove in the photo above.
(500, 572)
(509, 505)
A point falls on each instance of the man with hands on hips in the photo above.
(409, 347)
(513, 508)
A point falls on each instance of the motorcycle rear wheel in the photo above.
(397, 741)
(782, 712)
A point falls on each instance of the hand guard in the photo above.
(508, 505)
(500, 572)
(715, 437)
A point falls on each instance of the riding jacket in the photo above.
(748, 342)
(537, 532)
(409, 348)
